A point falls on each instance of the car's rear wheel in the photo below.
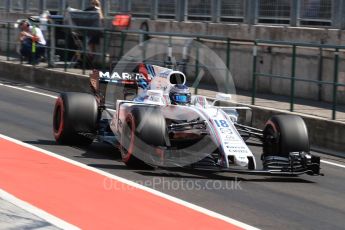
(143, 131)
(75, 118)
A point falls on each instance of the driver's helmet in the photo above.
(180, 95)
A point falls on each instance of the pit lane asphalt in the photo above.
(265, 202)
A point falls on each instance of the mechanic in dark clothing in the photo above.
(94, 36)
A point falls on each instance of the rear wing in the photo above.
(122, 89)
(132, 79)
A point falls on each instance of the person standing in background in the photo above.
(94, 36)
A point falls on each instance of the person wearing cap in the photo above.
(32, 42)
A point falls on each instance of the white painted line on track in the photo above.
(36, 211)
(38, 93)
(332, 163)
(27, 90)
(135, 185)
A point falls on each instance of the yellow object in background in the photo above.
(33, 49)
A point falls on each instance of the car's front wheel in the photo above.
(142, 132)
(284, 134)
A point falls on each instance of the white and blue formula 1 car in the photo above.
(165, 126)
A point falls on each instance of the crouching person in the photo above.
(32, 42)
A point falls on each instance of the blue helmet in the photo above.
(180, 95)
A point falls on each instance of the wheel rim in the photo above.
(270, 135)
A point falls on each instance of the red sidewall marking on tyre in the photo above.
(273, 125)
(130, 149)
(59, 103)
(88, 199)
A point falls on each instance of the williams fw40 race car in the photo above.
(163, 125)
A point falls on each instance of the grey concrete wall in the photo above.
(251, 32)
(43, 77)
(276, 60)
